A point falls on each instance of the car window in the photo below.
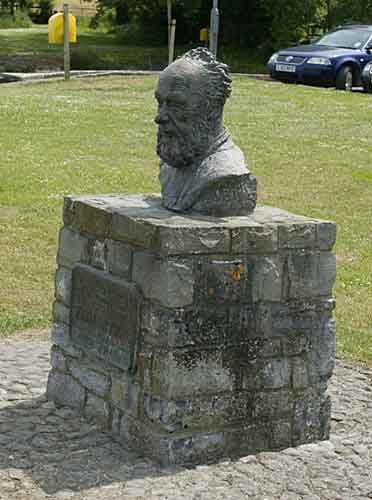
(348, 39)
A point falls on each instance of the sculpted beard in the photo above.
(181, 150)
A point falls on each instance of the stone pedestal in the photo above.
(194, 338)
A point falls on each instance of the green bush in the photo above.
(19, 20)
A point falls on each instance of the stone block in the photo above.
(273, 404)
(326, 235)
(88, 215)
(298, 235)
(181, 374)
(268, 279)
(311, 274)
(167, 281)
(276, 373)
(223, 281)
(73, 248)
(119, 259)
(254, 239)
(63, 390)
(200, 412)
(307, 426)
(63, 285)
(120, 385)
(300, 375)
(281, 435)
(105, 316)
(197, 327)
(247, 440)
(98, 258)
(61, 313)
(58, 360)
(321, 359)
(97, 410)
(61, 338)
(89, 378)
(191, 239)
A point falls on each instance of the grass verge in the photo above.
(29, 50)
(310, 149)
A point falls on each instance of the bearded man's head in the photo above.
(191, 95)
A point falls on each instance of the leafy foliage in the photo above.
(254, 24)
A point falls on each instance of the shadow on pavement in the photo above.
(59, 450)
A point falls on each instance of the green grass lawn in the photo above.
(96, 49)
(310, 148)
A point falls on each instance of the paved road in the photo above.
(52, 453)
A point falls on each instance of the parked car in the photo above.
(367, 77)
(335, 60)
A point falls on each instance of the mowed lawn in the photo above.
(310, 148)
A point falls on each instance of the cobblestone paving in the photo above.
(52, 453)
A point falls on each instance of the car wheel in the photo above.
(344, 78)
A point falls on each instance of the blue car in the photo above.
(367, 77)
(336, 60)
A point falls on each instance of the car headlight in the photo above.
(273, 58)
(322, 61)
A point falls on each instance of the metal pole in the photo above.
(66, 41)
(172, 41)
(169, 9)
(215, 25)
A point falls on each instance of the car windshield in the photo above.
(347, 38)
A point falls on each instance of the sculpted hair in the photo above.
(219, 88)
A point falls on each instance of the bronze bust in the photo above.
(201, 169)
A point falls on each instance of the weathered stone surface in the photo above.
(119, 259)
(298, 235)
(276, 373)
(58, 360)
(268, 279)
(98, 258)
(61, 338)
(89, 378)
(63, 285)
(311, 274)
(177, 375)
(97, 410)
(300, 375)
(254, 238)
(87, 214)
(73, 247)
(65, 391)
(224, 281)
(104, 317)
(120, 383)
(326, 235)
(167, 281)
(193, 238)
(197, 327)
(61, 313)
(307, 426)
(197, 338)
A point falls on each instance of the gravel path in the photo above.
(52, 453)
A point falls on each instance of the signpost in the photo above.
(66, 41)
(62, 29)
(171, 32)
(215, 25)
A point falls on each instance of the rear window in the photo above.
(348, 39)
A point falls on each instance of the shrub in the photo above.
(20, 19)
